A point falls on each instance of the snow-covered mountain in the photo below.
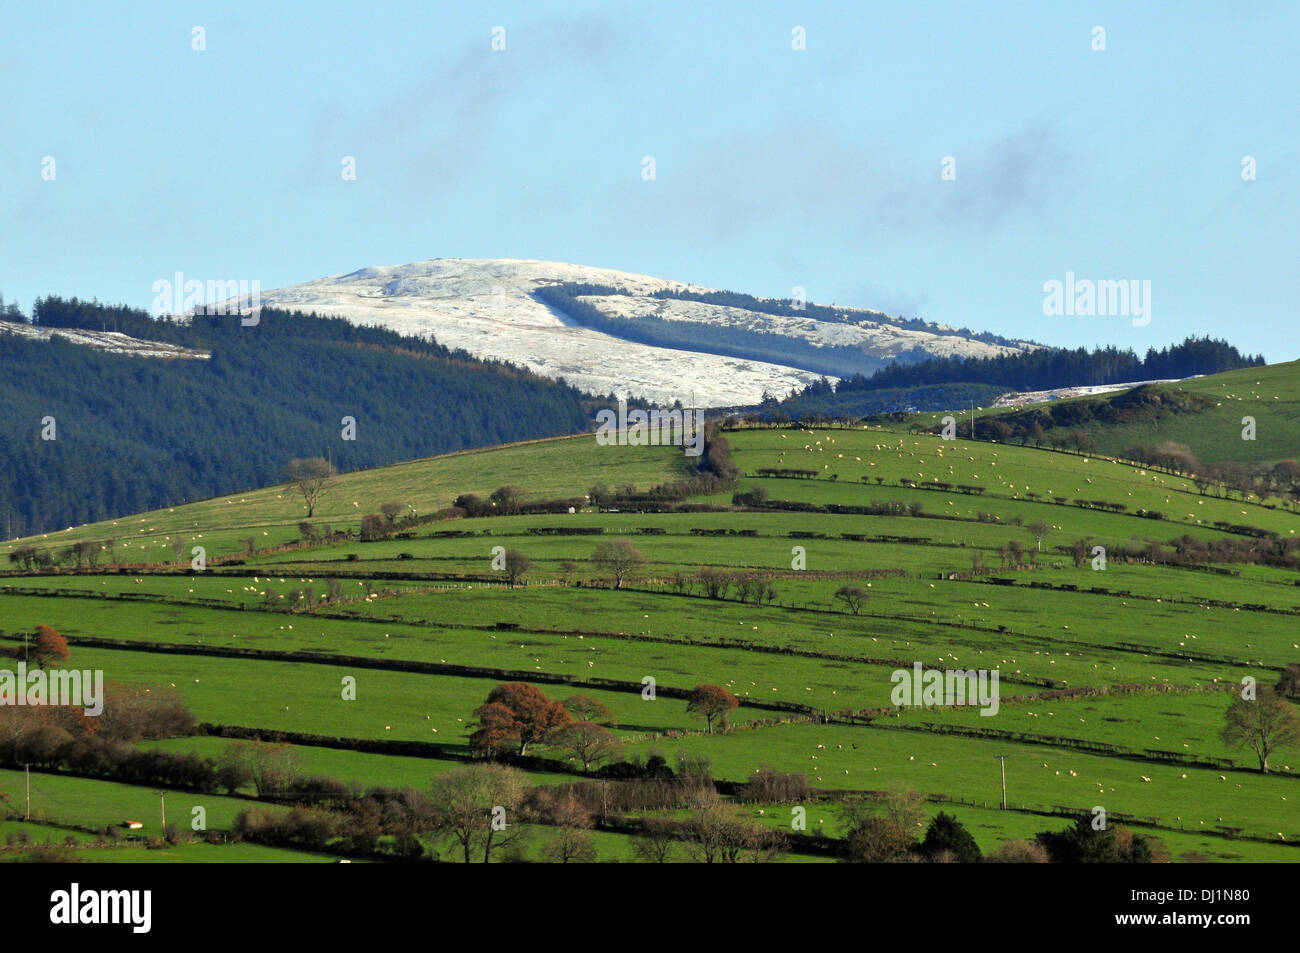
(486, 307)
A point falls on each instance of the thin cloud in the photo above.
(442, 125)
(765, 181)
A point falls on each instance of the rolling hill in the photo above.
(1114, 681)
(1208, 417)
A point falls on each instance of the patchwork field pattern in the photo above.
(1114, 678)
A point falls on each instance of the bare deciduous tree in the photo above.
(474, 804)
(393, 509)
(1264, 723)
(1039, 531)
(516, 565)
(310, 476)
(852, 596)
(619, 557)
(588, 743)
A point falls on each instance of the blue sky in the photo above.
(774, 167)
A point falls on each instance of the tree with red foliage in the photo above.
(517, 713)
(49, 647)
(712, 702)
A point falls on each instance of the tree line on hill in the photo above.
(942, 382)
(727, 340)
(1047, 368)
(1065, 424)
(1224, 478)
(89, 435)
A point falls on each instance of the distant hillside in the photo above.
(1212, 432)
(1043, 369)
(1183, 423)
(270, 515)
(951, 382)
(135, 434)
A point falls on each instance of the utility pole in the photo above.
(28, 815)
(1003, 759)
(162, 803)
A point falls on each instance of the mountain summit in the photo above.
(657, 339)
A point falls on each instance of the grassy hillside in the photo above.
(1269, 394)
(1210, 427)
(1114, 681)
(558, 467)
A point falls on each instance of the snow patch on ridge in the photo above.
(113, 342)
(486, 307)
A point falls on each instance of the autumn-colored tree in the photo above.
(712, 703)
(516, 713)
(586, 708)
(21, 721)
(588, 743)
(48, 648)
(1264, 723)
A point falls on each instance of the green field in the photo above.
(1113, 682)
